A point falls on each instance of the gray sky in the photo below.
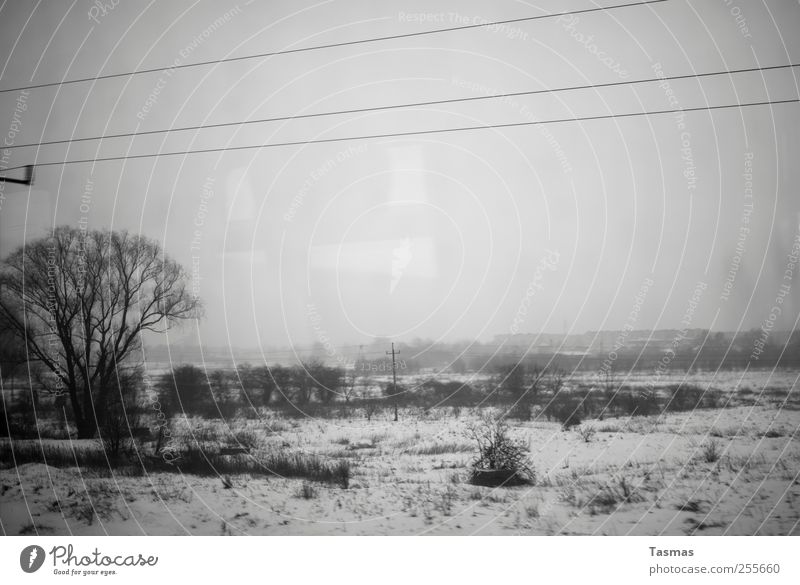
(444, 236)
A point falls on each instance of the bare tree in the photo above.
(225, 403)
(122, 418)
(350, 379)
(186, 390)
(556, 379)
(276, 382)
(608, 383)
(12, 356)
(12, 353)
(80, 300)
(327, 380)
(371, 407)
(520, 383)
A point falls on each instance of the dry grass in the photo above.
(414, 477)
(439, 448)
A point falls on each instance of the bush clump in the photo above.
(309, 467)
(500, 460)
(190, 458)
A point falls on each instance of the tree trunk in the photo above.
(87, 429)
(84, 416)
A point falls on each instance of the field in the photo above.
(723, 470)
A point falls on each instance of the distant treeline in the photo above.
(705, 351)
(523, 391)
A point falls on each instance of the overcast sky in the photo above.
(561, 227)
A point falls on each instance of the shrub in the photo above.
(307, 491)
(246, 438)
(443, 501)
(116, 432)
(186, 390)
(190, 458)
(275, 381)
(309, 467)
(22, 420)
(685, 398)
(327, 381)
(120, 421)
(193, 459)
(99, 499)
(452, 393)
(54, 454)
(201, 431)
(372, 408)
(711, 452)
(500, 460)
(714, 398)
(439, 448)
(637, 402)
(612, 495)
(521, 410)
(511, 380)
(565, 408)
(603, 498)
(301, 386)
(693, 506)
(586, 433)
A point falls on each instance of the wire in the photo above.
(403, 134)
(328, 46)
(397, 106)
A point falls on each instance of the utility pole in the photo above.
(394, 381)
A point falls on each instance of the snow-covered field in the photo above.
(647, 475)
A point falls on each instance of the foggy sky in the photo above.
(443, 236)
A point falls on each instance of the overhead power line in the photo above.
(405, 134)
(398, 106)
(326, 46)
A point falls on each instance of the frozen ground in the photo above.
(648, 475)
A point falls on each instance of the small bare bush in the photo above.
(446, 499)
(165, 489)
(372, 408)
(532, 511)
(711, 452)
(95, 500)
(307, 491)
(500, 460)
(309, 467)
(438, 448)
(201, 431)
(246, 438)
(602, 498)
(693, 506)
(586, 433)
(54, 454)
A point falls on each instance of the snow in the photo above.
(646, 475)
